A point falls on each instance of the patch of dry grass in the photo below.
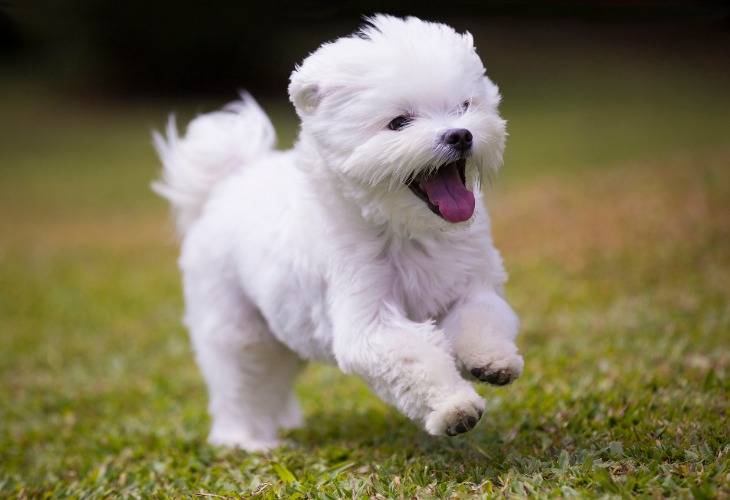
(658, 206)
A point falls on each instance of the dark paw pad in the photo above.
(465, 424)
(498, 377)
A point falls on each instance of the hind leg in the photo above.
(248, 372)
(250, 394)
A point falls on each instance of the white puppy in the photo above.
(367, 245)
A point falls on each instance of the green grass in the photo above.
(613, 215)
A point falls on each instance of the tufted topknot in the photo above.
(411, 31)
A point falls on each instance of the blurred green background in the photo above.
(612, 211)
(654, 73)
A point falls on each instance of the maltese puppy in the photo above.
(367, 245)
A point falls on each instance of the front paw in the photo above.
(457, 414)
(499, 371)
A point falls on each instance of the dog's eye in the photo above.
(465, 105)
(399, 122)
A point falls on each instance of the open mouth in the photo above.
(444, 191)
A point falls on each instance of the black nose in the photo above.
(459, 139)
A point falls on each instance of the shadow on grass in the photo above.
(385, 436)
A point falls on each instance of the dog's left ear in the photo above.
(496, 129)
(492, 92)
(304, 93)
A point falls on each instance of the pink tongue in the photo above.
(446, 191)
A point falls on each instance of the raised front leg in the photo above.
(482, 331)
(409, 365)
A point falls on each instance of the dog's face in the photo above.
(403, 114)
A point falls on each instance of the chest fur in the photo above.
(429, 277)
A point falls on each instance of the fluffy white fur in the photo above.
(323, 253)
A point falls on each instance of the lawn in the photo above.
(612, 213)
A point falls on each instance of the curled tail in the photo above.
(215, 145)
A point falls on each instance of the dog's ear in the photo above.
(304, 94)
(492, 92)
(495, 127)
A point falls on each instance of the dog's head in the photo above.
(403, 114)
